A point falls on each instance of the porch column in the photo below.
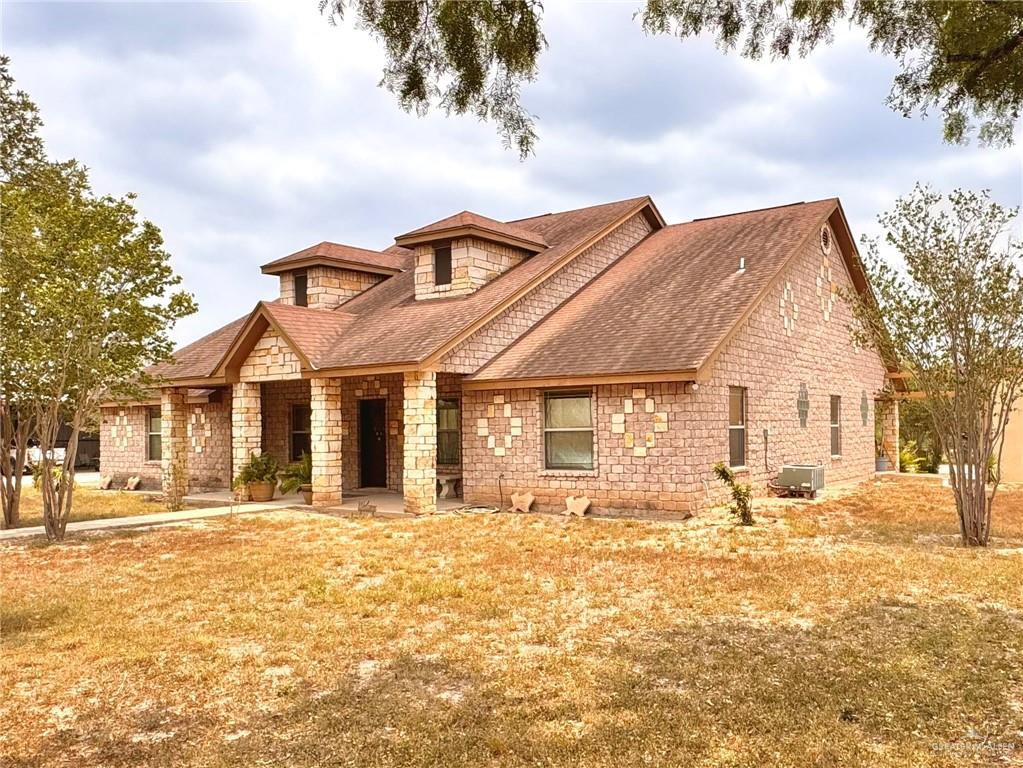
(325, 440)
(246, 424)
(419, 479)
(174, 444)
(890, 431)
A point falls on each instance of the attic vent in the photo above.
(826, 239)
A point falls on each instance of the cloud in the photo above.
(253, 130)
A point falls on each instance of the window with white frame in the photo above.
(568, 430)
(154, 434)
(836, 425)
(737, 426)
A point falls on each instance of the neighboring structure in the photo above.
(596, 351)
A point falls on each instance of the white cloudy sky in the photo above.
(250, 130)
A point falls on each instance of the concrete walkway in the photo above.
(138, 521)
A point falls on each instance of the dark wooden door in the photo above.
(372, 443)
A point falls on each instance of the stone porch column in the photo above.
(325, 440)
(246, 424)
(890, 430)
(174, 444)
(419, 479)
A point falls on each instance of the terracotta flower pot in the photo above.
(262, 491)
(307, 493)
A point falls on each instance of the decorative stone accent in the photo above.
(521, 502)
(649, 422)
(326, 440)
(122, 430)
(499, 426)
(576, 505)
(419, 479)
(174, 441)
(803, 404)
(789, 309)
(827, 288)
(246, 424)
(199, 430)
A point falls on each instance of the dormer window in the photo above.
(301, 289)
(442, 264)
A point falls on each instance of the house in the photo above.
(597, 351)
(1012, 447)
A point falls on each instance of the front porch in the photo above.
(371, 438)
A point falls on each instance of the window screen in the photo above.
(836, 425)
(154, 448)
(737, 426)
(568, 430)
(300, 441)
(449, 440)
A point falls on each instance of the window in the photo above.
(737, 426)
(299, 431)
(836, 425)
(442, 264)
(301, 289)
(568, 430)
(154, 434)
(449, 433)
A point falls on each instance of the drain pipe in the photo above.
(500, 492)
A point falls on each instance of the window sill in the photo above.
(740, 470)
(152, 463)
(836, 457)
(567, 473)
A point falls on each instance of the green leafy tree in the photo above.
(21, 153)
(952, 314)
(963, 58)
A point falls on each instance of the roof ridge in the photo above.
(759, 210)
(580, 208)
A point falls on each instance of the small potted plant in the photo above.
(259, 477)
(299, 477)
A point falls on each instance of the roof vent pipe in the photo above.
(742, 264)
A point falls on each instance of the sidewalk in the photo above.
(138, 521)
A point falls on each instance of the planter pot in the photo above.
(882, 464)
(307, 493)
(263, 491)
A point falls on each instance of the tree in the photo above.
(962, 57)
(953, 317)
(97, 309)
(21, 152)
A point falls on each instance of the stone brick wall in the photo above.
(496, 335)
(474, 263)
(246, 424)
(326, 440)
(123, 446)
(655, 444)
(270, 360)
(328, 287)
(419, 479)
(277, 398)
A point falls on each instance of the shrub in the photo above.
(262, 468)
(294, 476)
(909, 460)
(742, 494)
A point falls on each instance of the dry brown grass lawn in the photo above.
(88, 504)
(852, 633)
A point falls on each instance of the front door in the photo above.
(372, 444)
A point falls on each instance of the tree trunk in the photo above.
(12, 467)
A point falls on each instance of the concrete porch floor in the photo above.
(387, 503)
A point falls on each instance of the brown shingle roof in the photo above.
(668, 303)
(388, 261)
(385, 324)
(471, 223)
